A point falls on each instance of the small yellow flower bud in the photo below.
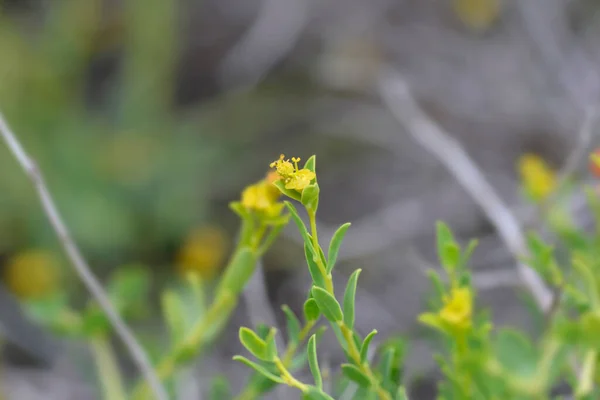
(32, 274)
(537, 177)
(203, 252)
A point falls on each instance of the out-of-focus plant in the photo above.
(122, 162)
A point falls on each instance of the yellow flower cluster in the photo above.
(262, 197)
(293, 177)
(458, 308)
(203, 252)
(537, 177)
(32, 274)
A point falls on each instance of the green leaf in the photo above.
(350, 299)
(313, 268)
(313, 363)
(311, 164)
(328, 305)
(468, 252)
(450, 257)
(438, 285)
(239, 271)
(444, 236)
(174, 314)
(239, 209)
(254, 344)
(310, 197)
(271, 351)
(515, 353)
(311, 310)
(292, 194)
(293, 325)
(260, 369)
(353, 373)
(587, 276)
(388, 368)
(315, 394)
(335, 244)
(364, 348)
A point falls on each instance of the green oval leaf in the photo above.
(293, 325)
(335, 244)
(328, 305)
(311, 164)
(292, 194)
(260, 369)
(311, 310)
(353, 373)
(350, 299)
(254, 344)
(364, 348)
(271, 351)
(313, 363)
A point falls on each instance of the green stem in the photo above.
(108, 371)
(251, 392)
(287, 377)
(354, 354)
(315, 241)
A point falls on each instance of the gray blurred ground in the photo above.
(519, 86)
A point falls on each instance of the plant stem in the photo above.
(315, 241)
(108, 371)
(289, 379)
(346, 331)
(354, 354)
(251, 392)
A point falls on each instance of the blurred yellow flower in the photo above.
(477, 14)
(203, 252)
(538, 179)
(32, 274)
(458, 308)
(262, 197)
(292, 176)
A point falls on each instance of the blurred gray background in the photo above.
(255, 78)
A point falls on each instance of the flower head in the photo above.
(458, 308)
(32, 274)
(292, 176)
(537, 177)
(262, 197)
(203, 252)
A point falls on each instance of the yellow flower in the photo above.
(203, 252)
(284, 168)
(477, 14)
(292, 176)
(458, 308)
(262, 197)
(300, 180)
(32, 274)
(537, 177)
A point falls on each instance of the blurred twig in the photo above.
(79, 263)
(396, 95)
